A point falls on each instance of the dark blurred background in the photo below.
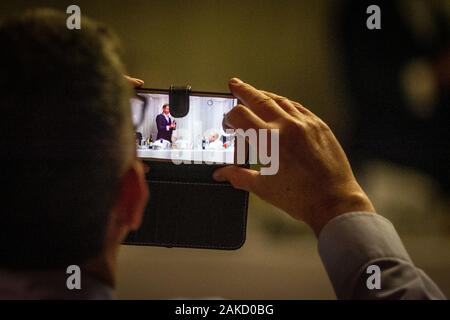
(384, 92)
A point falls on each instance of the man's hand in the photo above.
(315, 182)
(134, 81)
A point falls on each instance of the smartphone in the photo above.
(187, 208)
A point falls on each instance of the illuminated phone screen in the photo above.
(196, 138)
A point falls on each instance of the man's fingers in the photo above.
(286, 104)
(240, 117)
(284, 100)
(134, 81)
(262, 105)
(240, 178)
(146, 167)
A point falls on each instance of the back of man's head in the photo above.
(66, 137)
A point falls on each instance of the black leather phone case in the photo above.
(187, 208)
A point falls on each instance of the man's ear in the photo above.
(132, 197)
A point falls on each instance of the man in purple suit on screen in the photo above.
(165, 124)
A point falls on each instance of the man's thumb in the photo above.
(240, 178)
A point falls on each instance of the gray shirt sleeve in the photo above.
(352, 242)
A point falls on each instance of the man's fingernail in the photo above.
(235, 81)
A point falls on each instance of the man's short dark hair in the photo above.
(165, 106)
(64, 129)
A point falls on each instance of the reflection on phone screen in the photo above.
(196, 138)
